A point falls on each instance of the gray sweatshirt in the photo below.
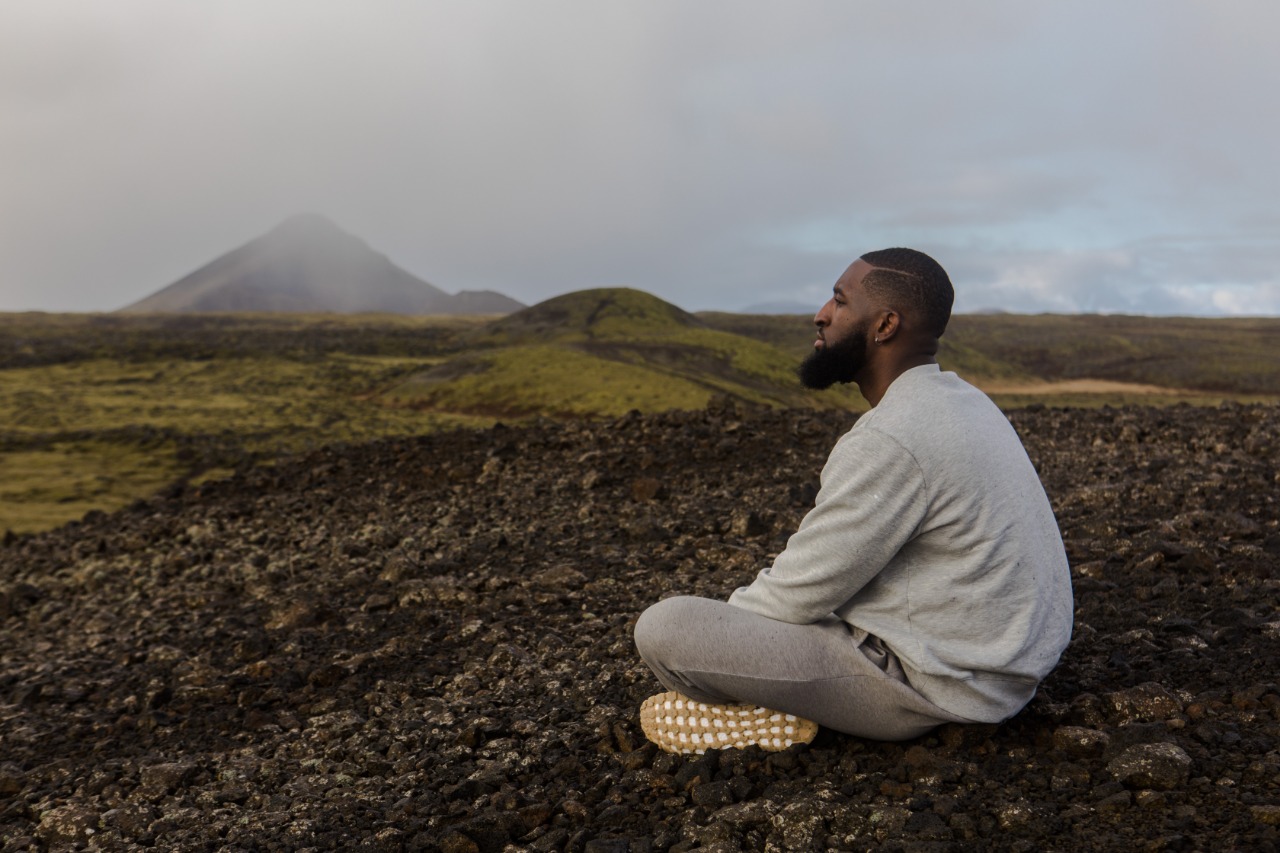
(932, 532)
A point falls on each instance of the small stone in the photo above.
(1247, 698)
(647, 489)
(799, 824)
(1149, 798)
(750, 813)
(1115, 802)
(927, 826)
(68, 824)
(963, 827)
(327, 675)
(257, 720)
(746, 523)
(887, 820)
(1069, 775)
(378, 601)
(1015, 815)
(1152, 561)
(607, 845)
(928, 768)
(575, 810)
(562, 576)
(695, 773)
(1092, 570)
(12, 780)
(130, 820)
(713, 794)
(1144, 703)
(164, 778)
(1080, 742)
(622, 737)
(1160, 766)
(534, 815)
(1268, 814)
(456, 842)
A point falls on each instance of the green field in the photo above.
(604, 352)
(1230, 356)
(99, 410)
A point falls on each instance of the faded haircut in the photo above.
(914, 283)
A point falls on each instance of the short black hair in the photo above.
(915, 281)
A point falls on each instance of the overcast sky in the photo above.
(1074, 156)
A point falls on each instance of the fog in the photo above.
(1054, 157)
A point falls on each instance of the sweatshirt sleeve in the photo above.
(870, 503)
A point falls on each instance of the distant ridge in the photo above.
(309, 264)
(782, 308)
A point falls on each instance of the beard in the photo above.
(840, 361)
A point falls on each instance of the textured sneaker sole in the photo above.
(679, 724)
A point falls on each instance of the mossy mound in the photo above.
(603, 353)
(615, 313)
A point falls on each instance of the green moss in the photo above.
(43, 488)
(220, 409)
(609, 339)
(249, 396)
(557, 381)
(101, 409)
(673, 366)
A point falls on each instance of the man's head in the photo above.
(900, 299)
(914, 283)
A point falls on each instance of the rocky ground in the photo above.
(426, 644)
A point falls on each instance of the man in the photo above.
(927, 585)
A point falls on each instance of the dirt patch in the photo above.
(1085, 386)
(426, 644)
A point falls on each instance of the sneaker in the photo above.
(679, 724)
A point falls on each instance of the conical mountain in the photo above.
(309, 264)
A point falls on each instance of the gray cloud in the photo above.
(1085, 156)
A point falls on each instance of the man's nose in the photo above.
(820, 319)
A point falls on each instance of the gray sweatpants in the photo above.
(713, 651)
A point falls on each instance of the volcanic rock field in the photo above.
(425, 644)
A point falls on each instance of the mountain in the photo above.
(309, 264)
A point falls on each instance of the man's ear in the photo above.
(888, 326)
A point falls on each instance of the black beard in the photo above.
(841, 361)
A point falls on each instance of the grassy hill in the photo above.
(605, 352)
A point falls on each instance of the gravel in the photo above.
(426, 644)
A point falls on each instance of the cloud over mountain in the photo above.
(308, 264)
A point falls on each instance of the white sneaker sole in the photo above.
(679, 724)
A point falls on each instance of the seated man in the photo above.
(927, 585)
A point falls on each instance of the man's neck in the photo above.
(877, 382)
